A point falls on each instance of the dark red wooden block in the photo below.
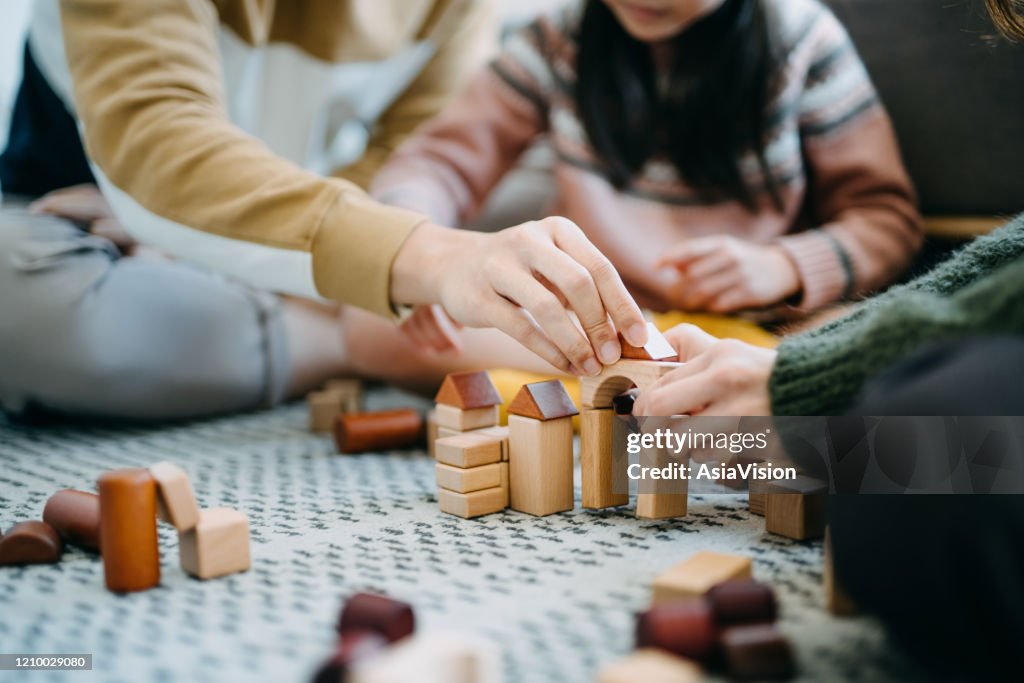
(32, 542)
(742, 602)
(392, 619)
(76, 517)
(381, 431)
(685, 628)
(757, 652)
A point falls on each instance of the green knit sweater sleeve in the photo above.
(977, 291)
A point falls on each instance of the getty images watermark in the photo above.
(846, 454)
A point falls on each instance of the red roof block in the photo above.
(543, 401)
(468, 390)
(657, 348)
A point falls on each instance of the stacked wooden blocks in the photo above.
(338, 397)
(540, 449)
(472, 469)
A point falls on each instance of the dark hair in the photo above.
(713, 110)
(1009, 17)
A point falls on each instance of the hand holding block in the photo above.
(694, 577)
(382, 431)
(217, 546)
(758, 653)
(468, 450)
(76, 517)
(176, 504)
(657, 347)
(742, 602)
(392, 619)
(31, 542)
(684, 627)
(128, 538)
(651, 666)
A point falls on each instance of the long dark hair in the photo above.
(713, 110)
(1009, 17)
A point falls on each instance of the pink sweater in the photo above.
(849, 220)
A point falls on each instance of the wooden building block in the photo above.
(475, 504)
(685, 628)
(468, 480)
(76, 517)
(543, 401)
(742, 602)
(505, 482)
(600, 391)
(651, 666)
(758, 496)
(758, 652)
(540, 465)
(353, 648)
(661, 505)
(836, 600)
(796, 509)
(656, 348)
(468, 390)
(597, 459)
(217, 546)
(324, 406)
(349, 393)
(381, 431)
(128, 536)
(694, 577)
(445, 432)
(380, 614)
(500, 432)
(466, 420)
(176, 503)
(468, 450)
(432, 432)
(32, 542)
(432, 658)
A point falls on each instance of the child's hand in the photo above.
(85, 205)
(726, 274)
(430, 328)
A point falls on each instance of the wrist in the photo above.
(790, 283)
(430, 251)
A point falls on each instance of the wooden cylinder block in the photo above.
(742, 602)
(383, 431)
(392, 619)
(128, 538)
(685, 628)
(76, 517)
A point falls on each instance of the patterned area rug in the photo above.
(556, 594)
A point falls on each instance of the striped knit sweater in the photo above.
(849, 221)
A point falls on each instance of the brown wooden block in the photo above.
(600, 391)
(349, 393)
(475, 504)
(758, 652)
(354, 647)
(128, 537)
(381, 431)
(656, 348)
(758, 496)
(432, 432)
(217, 546)
(505, 482)
(176, 503)
(742, 602)
(796, 509)
(684, 627)
(543, 401)
(540, 465)
(32, 542)
(468, 390)
(392, 619)
(468, 450)
(500, 432)
(470, 479)
(651, 666)
(661, 505)
(324, 406)
(836, 600)
(76, 517)
(466, 420)
(597, 459)
(694, 577)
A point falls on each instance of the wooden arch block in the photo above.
(600, 391)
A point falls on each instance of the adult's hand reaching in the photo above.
(533, 281)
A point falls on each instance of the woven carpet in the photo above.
(557, 594)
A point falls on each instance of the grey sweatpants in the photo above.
(86, 332)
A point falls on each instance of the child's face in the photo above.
(653, 21)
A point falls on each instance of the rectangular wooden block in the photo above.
(431, 432)
(349, 392)
(467, 480)
(468, 450)
(217, 546)
(324, 406)
(597, 458)
(796, 509)
(694, 577)
(465, 420)
(176, 503)
(500, 432)
(504, 483)
(836, 601)
(651, 666)
(475, 504)
(445, 432)
(758, 496)
(661, 505)
(540, 465)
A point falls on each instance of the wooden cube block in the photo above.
(176, 503)
(349, 392)
(742, 602)
(836, 600)
(475, 504)
(467, 480)
(466, 420)
(796, 509)
(651, 666)
(324, 406)
(500, 432)
(661, 505)
(468, 450)
(694, 577)
(541, 465)
(597, 459)
(217, 546)
(759, 652)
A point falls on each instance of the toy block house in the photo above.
(466, 402)
(540, 449)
